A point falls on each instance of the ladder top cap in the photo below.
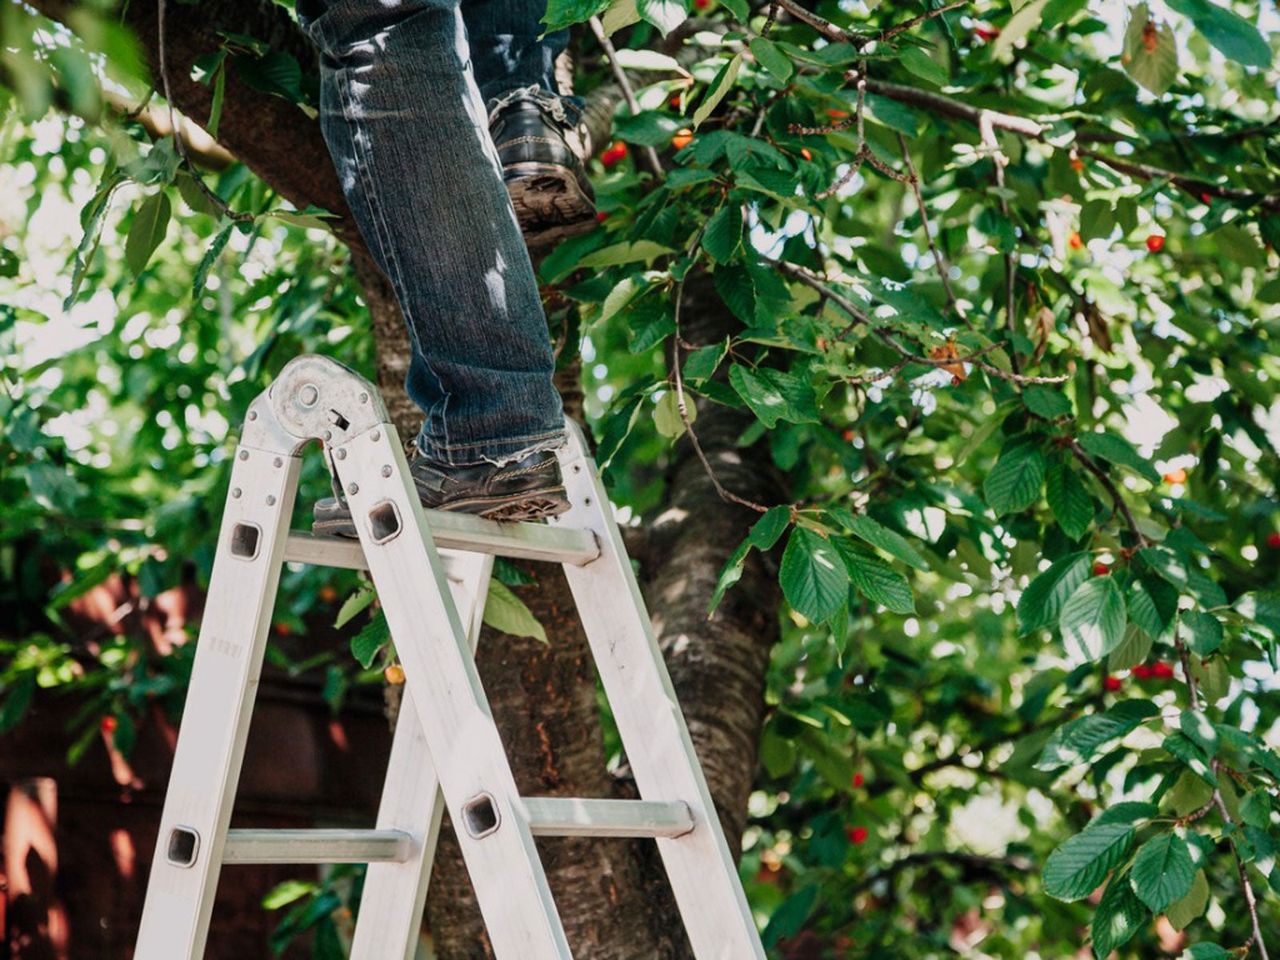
(313, 398)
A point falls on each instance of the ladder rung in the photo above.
(317, 846)
(459, 531)
(577, 817)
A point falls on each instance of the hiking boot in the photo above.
(549, 189)
(526, 489)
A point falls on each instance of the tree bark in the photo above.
(614, 898)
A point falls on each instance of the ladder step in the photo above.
(578, 817)
(317, 846)
(460, 531)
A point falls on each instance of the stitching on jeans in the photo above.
(380, 224)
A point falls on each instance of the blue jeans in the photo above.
(406, 125)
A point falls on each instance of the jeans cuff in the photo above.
(497, 452)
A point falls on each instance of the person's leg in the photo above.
(408, 134)
(508, 51)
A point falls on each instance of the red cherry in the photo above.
(1155, 242)
(856, 835)
(283, 629)
(1074, 241)
(1162, 670)
(1112, 684)
(858, 780)
(1142, 671)
(986, 33)
(702, 4)
(1273, 541)
(1206, 199)
(1100, 569)
(109, 725)
(601, 216)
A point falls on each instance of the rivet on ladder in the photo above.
(340, 453)
(353, 489)
(277, 462)
(386, 469)
(328, 434)
(308, 395)
(375, 436)
(271, 499)
(364, 398)
(577, 468)
(253, 414)
(244, 454)
(236, 493)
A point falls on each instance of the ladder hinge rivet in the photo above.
(376, 436)
(277, 462)
(340, 454)
(308, 395)
(386, 469)
(244, 454)
(364, 398)
(328, 434)
(236, 493)
(253, 414)
(271, 499)
(353, 489)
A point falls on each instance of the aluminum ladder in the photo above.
(431, 571)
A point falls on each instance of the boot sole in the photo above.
(527, 508)
(550, 204)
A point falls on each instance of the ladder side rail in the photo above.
(215, 720)
(476, 779)
(703, 874)
(395, 894)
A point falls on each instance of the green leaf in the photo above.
(774, 395)
(1041, 603)
(814, 578)
(1184, 574)
(1080, 740)
(722, 238)
(769, 56)
(1134, 650)
(722, 84)
(666, 414)
(1078, 866)
(211, 254)
(1117, 450)
(146, 231)
(1204, 631)
(1046, 402)
(355, 603)
(701, 364)
(283, 894)
(17, 701)
(1209, 951)
(890, 541)
(1162, 872)
(1235, 37)
(1119, 916)
(1150, 54)
(1014, 482)
(877, 581)
(565, 13)
(504, 611)
(1019, 25)
(366, 644)
(1093, 620)
(1068, 498)
(771, 525)
(730, 574)
(923, 66)
(1192, 906)
(666, 15)
(1152, 605)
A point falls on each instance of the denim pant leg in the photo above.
(507, 46)
(409, 137)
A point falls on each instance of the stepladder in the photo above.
(431, 571)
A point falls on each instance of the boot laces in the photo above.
(549, 102)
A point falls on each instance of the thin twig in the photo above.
(914, 22)
(1009, 271)
(652, 161)
(825, 27)
(939, 261)
(1091, 465)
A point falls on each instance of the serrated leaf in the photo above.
(1127, 811)
(211, 254)
(1080, 740)
(1208, 951)
(1192, 906)
(1150, 54)
(1204, 631)
(814, 578)
(1093, 620)
(666, 15)
(1235, 37)
(504, 611)
(375, 635)
(1080, 864)
(770, 56)
(701, 364)
(890, 541)
(1068, 498)
(877, 581)
(666, 414)
(1041, 603)
(1183, 573)
(1134, 650)
(722, 84)
(775, 395)
(1014, 482)
(1151, 605)
(146, 231)
(1117, 450)
(771, 525)
(353, 605)
(1046, 402)
(1119, 916)
(565, 13)
(1162, 872)
(722, 238)
(923, 66)
(730, 574)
